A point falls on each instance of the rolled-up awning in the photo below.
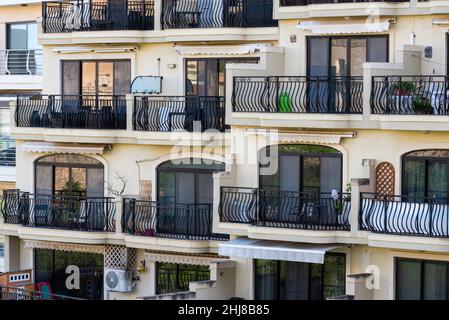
(344, 28)
(53, 147)
(275, 250)
(219, 50)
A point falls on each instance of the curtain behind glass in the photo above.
(408, 280)
(438, 174)
(294, 281)
(435, 281)
(266, 279)
(414, 180)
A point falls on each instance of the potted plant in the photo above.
(422, 105)
(404, 88)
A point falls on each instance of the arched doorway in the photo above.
(67, 174)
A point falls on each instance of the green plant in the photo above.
(422, 105)
(72, 188)
(403, 88)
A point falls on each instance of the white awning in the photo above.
(344, 28)
(219, 50)
(275, 250)
(53, 147)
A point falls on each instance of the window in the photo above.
(421, 279)
(344, 56)
(50, 266)
(303, 168)
(74, 175)
(426, 174)
(285, 280)
(96, 77)
(206, 77)
(22, 45)
(187, 182)
(172, 277)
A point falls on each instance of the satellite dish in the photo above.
(147, 85)
(334, 194)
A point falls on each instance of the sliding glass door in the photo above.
(285, 280)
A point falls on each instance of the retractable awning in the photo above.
(219, 50)
(53, 147)
(344, 28)
(275, 250)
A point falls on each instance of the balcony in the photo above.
(169, 220)
(88, 15)
(20, 62)
(66, 212)
(178, 113)
(71, 112)
(182, 14)
(410, 95)
(290, 3)
(408, 216)
(281, 209)
(302, 94)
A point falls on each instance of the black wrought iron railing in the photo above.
(71, 112)
(169, 220)
(278, 209)
(59, 212)
(179, 14)
(185, 113)
(19, 293)
(88, 15)
(301, 94)
(408, 95)
(289, 3)
(401, 215)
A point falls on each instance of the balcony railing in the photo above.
(88, 15)
(71, 112)
(410, 95)
(178, 113)
(169, 220)
(278, 209)
(301, 94)
(19, 293)
(59, 212)
(290, 3)
(399, 215)
(20, 62)
(179, 14)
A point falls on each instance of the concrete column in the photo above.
(12, 253)
(129, 111)
(118, 214)
(157, 14)
(359, 185)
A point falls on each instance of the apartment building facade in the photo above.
(218, 149)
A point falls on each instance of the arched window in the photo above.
(301, 168)
(425, 173)
(74, 175)
(187, 181)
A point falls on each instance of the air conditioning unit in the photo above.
(119, 280)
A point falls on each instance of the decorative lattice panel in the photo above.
(120, 257)
(385, 178)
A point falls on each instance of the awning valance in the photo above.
(180, 259)
(275, 250)
(37, 244)
(344, 28)
(53, 147)
(218, 50)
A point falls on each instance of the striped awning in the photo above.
(54, 147)
(344, 28)
(275, 250)
(37, 244)
(181, 259)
